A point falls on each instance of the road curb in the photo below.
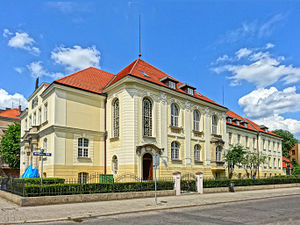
(146, 210)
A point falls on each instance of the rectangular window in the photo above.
(239, 139)
(264, 146)
(34, 119)
(25, 124)
(230, 138)
(83, 148)
(254, 143)
(172, 85)
(34, 102)
(190, 91)
(40, 116)
(247, 142)
(30, 121)
(46, 112)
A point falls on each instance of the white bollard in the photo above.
(176, 178)
(199, 182)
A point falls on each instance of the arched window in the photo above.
(114, 165)
(214, 124)
(174, 115)
(83, 147)
(197, 149)
(196, 120)
(116, 120)
(174, 150)
(218, 154)
(147, 117)
(83, 178)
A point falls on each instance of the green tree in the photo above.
(10, 146)
(234, 158)
(294, 163)
(251, 163)
(288, 141)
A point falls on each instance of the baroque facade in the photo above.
(96, 122)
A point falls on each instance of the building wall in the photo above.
(294, 153)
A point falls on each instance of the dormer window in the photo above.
(229, 119)
(237, 122)
(190, 91)
(187, 88)
(172, 85)
(170, 82)
(264, 128)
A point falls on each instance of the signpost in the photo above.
(42, 154)
(156, 160)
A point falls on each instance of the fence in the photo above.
(91, 185)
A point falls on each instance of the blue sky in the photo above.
(249, 47)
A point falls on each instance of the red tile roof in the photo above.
(286, 161)
(143, 70)
(90, 79)
(260, 130)
(234, 115)
(11, 113)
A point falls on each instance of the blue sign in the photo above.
(41, 154)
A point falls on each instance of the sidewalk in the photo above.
(11, 213)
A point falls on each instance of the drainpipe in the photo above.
(258, 152)
(105, 133)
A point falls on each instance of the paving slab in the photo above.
(11, 213)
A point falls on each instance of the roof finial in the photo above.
(140, 44)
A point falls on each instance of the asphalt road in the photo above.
(280, 210)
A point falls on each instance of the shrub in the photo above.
(32, 190)
(297, 170)
(38, 180)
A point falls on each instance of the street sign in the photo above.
(156, 161)
(41, 154)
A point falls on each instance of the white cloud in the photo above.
(223, 58)
(269, 45)
(262, 103)
(19, 69)
(279, 122)
(243, 52)
(262, 69)
(65, 7)
(37, 70)
(7, 100)
(253, 29)
(76, 58)
(22, 41)
(7, 33)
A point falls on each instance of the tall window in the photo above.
(26, 125)
(230, 138)
(239, 139)
(196, 120)
(115, 166)
(83, 178)
(34, 119)
(264, 147)
(174, 150)
(214, 124)
(174, 115)
(116, 118)
(197, 153)
(247, 142)
(46, 112)
(83, 147)
(40, 116)
(30, 121)
(218, 154)
(45, 145)
(254, 143)
(147, 117)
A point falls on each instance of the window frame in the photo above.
(174, 117)
(196, 123)
(218, 154)
(147, 130)
(175, 150)
(83, 150)
(116, 118)
(197, 153)
(214, 124)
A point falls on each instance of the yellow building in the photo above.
(96, 122)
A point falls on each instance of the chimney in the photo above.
(37, 83)
(20, 109)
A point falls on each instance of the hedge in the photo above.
(31, 190)
(248, 182)
(38, 180)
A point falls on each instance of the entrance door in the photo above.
(147, 167)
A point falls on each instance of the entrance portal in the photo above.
(147, 167)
